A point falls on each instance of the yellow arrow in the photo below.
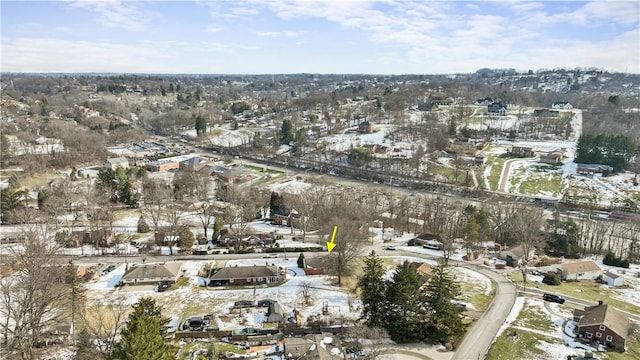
(331, 244)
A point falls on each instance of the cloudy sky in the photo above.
(328, 36)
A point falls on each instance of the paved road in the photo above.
(479, 338)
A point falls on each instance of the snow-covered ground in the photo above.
(563, 344)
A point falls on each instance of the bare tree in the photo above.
(156, 195)
(306, 293)
(242, 208)
(376, 338)
(353, 231)
(525, 227)
(103, 324)
(34, 298)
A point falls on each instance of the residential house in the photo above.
(441, 100)
(593, 169)
(427, 106)
(516, 255)
(546, 113)
(422, 238)
(232, 174)
(612, 279)
(602, 324)
(580, 270)
(496, 109)
(99, 238)
(480, 159)
(283, 216)
(552, 157)
(484, 102)
(152, 274)
(313, 347)
(563, 105)
(247, 275)
(520, 151)
(193, 164)
(366, 127)
(114, 163)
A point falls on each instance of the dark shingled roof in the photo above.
(238, 272)
(604, 314)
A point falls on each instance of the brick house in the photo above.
(522, 151)
(248, 275)
(602, 324)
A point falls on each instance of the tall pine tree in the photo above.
(145, 335)
(372, 291)
(405, 311)
(444, 321)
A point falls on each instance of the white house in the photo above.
(580, 270)
(612, 279)
(113, 163)
(563, 105)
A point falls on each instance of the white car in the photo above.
(391, 247)
(271, 256)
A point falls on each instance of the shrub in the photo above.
(551, 278)
(412, 242)
(611, 260)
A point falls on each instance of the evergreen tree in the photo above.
(372, 291)
(444, 320)
(405, 313)
(287, 134)
(301, 261)
(145, 335)
(201, 125)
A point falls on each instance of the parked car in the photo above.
(265, 302)
(109, 269)
(270, 256)
(162, 286)
(391, 247)
(553, 298)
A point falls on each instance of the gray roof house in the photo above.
(151, 274)
(247, 275)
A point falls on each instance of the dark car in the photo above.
(553, 298)
(266, 302)
(163, 286)
(109, 269)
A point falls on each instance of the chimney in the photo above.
(599, 302)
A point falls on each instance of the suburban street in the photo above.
(476, 343)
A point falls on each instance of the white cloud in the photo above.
(54, 55)
(285, 33)
(118, 14)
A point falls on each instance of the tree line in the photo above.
(617, 151)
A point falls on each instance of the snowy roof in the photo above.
(152, 271)
(580, 267)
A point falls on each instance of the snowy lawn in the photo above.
(535, 330)
(623, 299)
(191, 299)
